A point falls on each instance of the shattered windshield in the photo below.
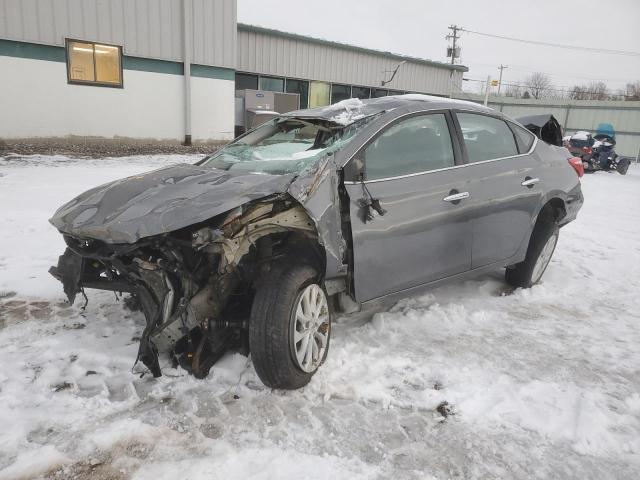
(284, 145)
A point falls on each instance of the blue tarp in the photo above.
(606, 129)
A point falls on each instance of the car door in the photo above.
(422, 234)
(504, 186)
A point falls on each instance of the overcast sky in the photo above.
(418, 28)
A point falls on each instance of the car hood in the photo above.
(161, 201)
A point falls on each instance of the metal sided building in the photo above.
(169, 69)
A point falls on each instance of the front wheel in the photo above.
(290, 326)
(541, 247)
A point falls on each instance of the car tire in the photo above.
(541, 247)
(277, 332)
(623, 166)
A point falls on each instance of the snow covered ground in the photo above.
(542, 383)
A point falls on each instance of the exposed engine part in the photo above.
(204, 307)
(234, 243)
(184, 282)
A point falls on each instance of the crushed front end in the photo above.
(194, 285)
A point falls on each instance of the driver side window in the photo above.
(414, 145)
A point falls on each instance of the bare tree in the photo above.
(513, 90)
(598, 91)
(538, 85)
(633, 91)
(579, 92)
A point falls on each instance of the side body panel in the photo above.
(501, 208)
(420, 238)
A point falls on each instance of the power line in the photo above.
(551, 74)
(547, 89)
(557, 45)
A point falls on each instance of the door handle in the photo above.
(455, 196)
(530, 182)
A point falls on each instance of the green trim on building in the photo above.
(36, 51)
(151, 65)
(206, 71)
(318, 41)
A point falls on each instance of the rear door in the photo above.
(504, 185)
(423, 235)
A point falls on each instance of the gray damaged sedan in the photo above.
(317, 213)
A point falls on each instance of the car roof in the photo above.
(352, 109)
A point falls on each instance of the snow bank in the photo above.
(34, 463)
(259, 464)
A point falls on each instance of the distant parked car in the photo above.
(314, 213)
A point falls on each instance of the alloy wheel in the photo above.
(544, 258)
(310, 326)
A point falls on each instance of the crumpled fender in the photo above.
(161, 201)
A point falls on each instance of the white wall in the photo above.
(37, 101)
(212, 108)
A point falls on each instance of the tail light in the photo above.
(576, 163)
(587, 149)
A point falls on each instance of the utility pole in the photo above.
(501, 67)
(486, 91)
(453, 50)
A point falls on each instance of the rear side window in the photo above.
(486, 138)
(415, 145)
(524, 138)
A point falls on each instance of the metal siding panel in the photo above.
(76, 21)
(103, 23)
(175, 21)
(29, 20)
(146, 28)
(301, 61)
(155, 28)
(116, 16)
(225, 43)
(90, 20)
(215, 35)
(46, 26)
(60, 21)
(265, 60)
(282, 54)
(130, 30)
(252, 53)
(13, 21)
(198, 25)
(165, 33)
(305, 51)
(272, 56)
(4, 25)
(242, 51)
(142, 24)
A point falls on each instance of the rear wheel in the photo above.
(623, 166)
(541, 247)
(290, 326)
